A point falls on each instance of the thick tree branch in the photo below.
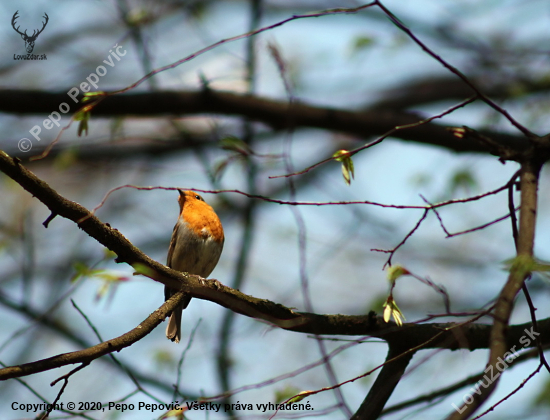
(90, 354)
(429, 90)
(448, 335)
(470, 380)
(519, 271)
(277, 114)
(61, 330)
(397, 360)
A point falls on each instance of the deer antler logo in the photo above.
(29, 40)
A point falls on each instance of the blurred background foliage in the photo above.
(351, 61)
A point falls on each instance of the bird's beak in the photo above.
(181, 199)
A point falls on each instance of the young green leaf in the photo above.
(392, 310)
(90, 95)
(235, 144)
(396, 271)
(285, 393)
(83, 116)
(300, 396)
(348, 172)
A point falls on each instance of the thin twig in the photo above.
(305, 203)
(394, 250)
(379, 140)
(65, 379)
(182, 358)
(454, 70)
(521, 385)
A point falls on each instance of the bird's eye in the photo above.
(198, 197)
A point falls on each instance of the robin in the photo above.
(195, 248)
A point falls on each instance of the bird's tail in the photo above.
(173, 329)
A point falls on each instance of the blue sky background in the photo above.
(345, 276)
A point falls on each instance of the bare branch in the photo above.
(90, 354)
(412, 336)
(397, 361)
(279, 115)
(529, 178)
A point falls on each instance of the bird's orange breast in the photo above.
(202, 220)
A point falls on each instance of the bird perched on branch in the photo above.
(195, 248)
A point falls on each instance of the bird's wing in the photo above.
(167, 290)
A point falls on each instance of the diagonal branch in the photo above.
(529, 178)
(62, 330)
(436, 335)
(445, 391)
(454, 70)
(397, 361)
(90, 354)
